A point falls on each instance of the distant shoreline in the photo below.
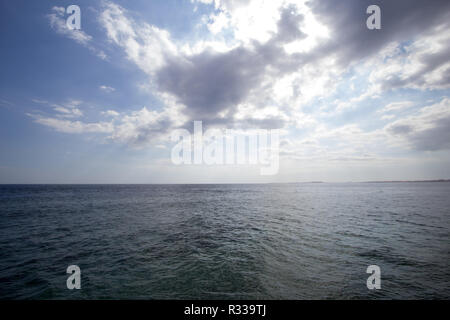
(406, 181)
(219, 183)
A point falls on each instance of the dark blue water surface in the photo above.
(273, 241)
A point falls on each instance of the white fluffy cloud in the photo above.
(147, 46)
(111, 113)
(423, 64)
(281, 57)
(68, 126)
(107, 89)
(136, 128)
(396, 106)
(58, 23)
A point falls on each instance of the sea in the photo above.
(226, 241)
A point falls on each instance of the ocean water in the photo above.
(272, 241)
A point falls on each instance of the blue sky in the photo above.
(97, 105)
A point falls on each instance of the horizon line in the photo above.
(232, 183)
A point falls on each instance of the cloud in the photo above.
(427, 130)
(396, 106)
(137, 128)
(5, 103)
(69, 109)
(58, 23)
(210, 82)
(415, 33)
(141, 127)
(423, 64)
(74, 112)
(249, 20)
(145, 45)
(348, 143)
(401, 20)
(78, 127)
(107, 89)
(211, 85)
(111, 113)
(39, 101)
(280, 61)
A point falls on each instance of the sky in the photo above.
(98, 105)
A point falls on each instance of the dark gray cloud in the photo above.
(401, 20)
(400, 129)
(272, 122)
(429, 130)
(288, 27)
(211, 82)
(432, 139)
